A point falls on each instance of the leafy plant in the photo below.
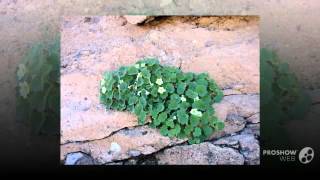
(38, 88)
(179, 104)
(282, 98)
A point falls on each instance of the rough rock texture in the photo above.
(123, 144)
(236, 111)
(200, 154)
(92, 45)
(82, 116)
(79, 158)
(138, 19)
(247, 145)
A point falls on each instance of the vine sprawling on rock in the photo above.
(180, 104)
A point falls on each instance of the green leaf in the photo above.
(142, 118)
(188, 129)
(201, 90)
(132, 70)
(162, 116)
(197, 132)
(138, 108)
(219, 96)
(132, 100)
(159, 107)
(164, 130)
(191, 94)
(181, 87)
(122, 71)
(219, 125)
(199, 105)
(173, 104)
(169, 87)
(194, 120)
(207, 130)
(177, 129)
(145, 73)
(140, 82)
(172, 133)
(188, 76)
(182, 117)
(170, 123)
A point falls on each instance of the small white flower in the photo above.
(139, 75)
(161, 90)
(159, 81)
(196, 99)
(115, 147)
(104, 90)
(137, 66)
(103, 82)
(174, 117)
(138, 93)
(183, 99)
(196, 112)
(143, 64)
(120, 81)
(147, 93)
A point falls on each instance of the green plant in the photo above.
(180, 104)
(282, 98)
(38, 92)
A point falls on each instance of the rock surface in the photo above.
(78, 158)
(92, 45)
(200, 154)
(136, 19)
(235, 111)
(247, 144)
(124, 144)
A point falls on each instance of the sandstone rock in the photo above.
(248, 146)
(143, 139)
(236, 67)
(82, 116)
(228, 92)
(233, 109)
(233, 123)
(254, 118)
(78, 158)
(242, 105)
(200, 154)
(252, 129)
(138, 19)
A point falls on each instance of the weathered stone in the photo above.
(252, 129)
(78, 158)
(233, 123)
(228, 92)
(231, 58)
(242, 105)
(143, 139)
(136, 19)
(233, 109)
(248, 146)
(82, 117)
(130, 162)
(254, 118)
(200, 154)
